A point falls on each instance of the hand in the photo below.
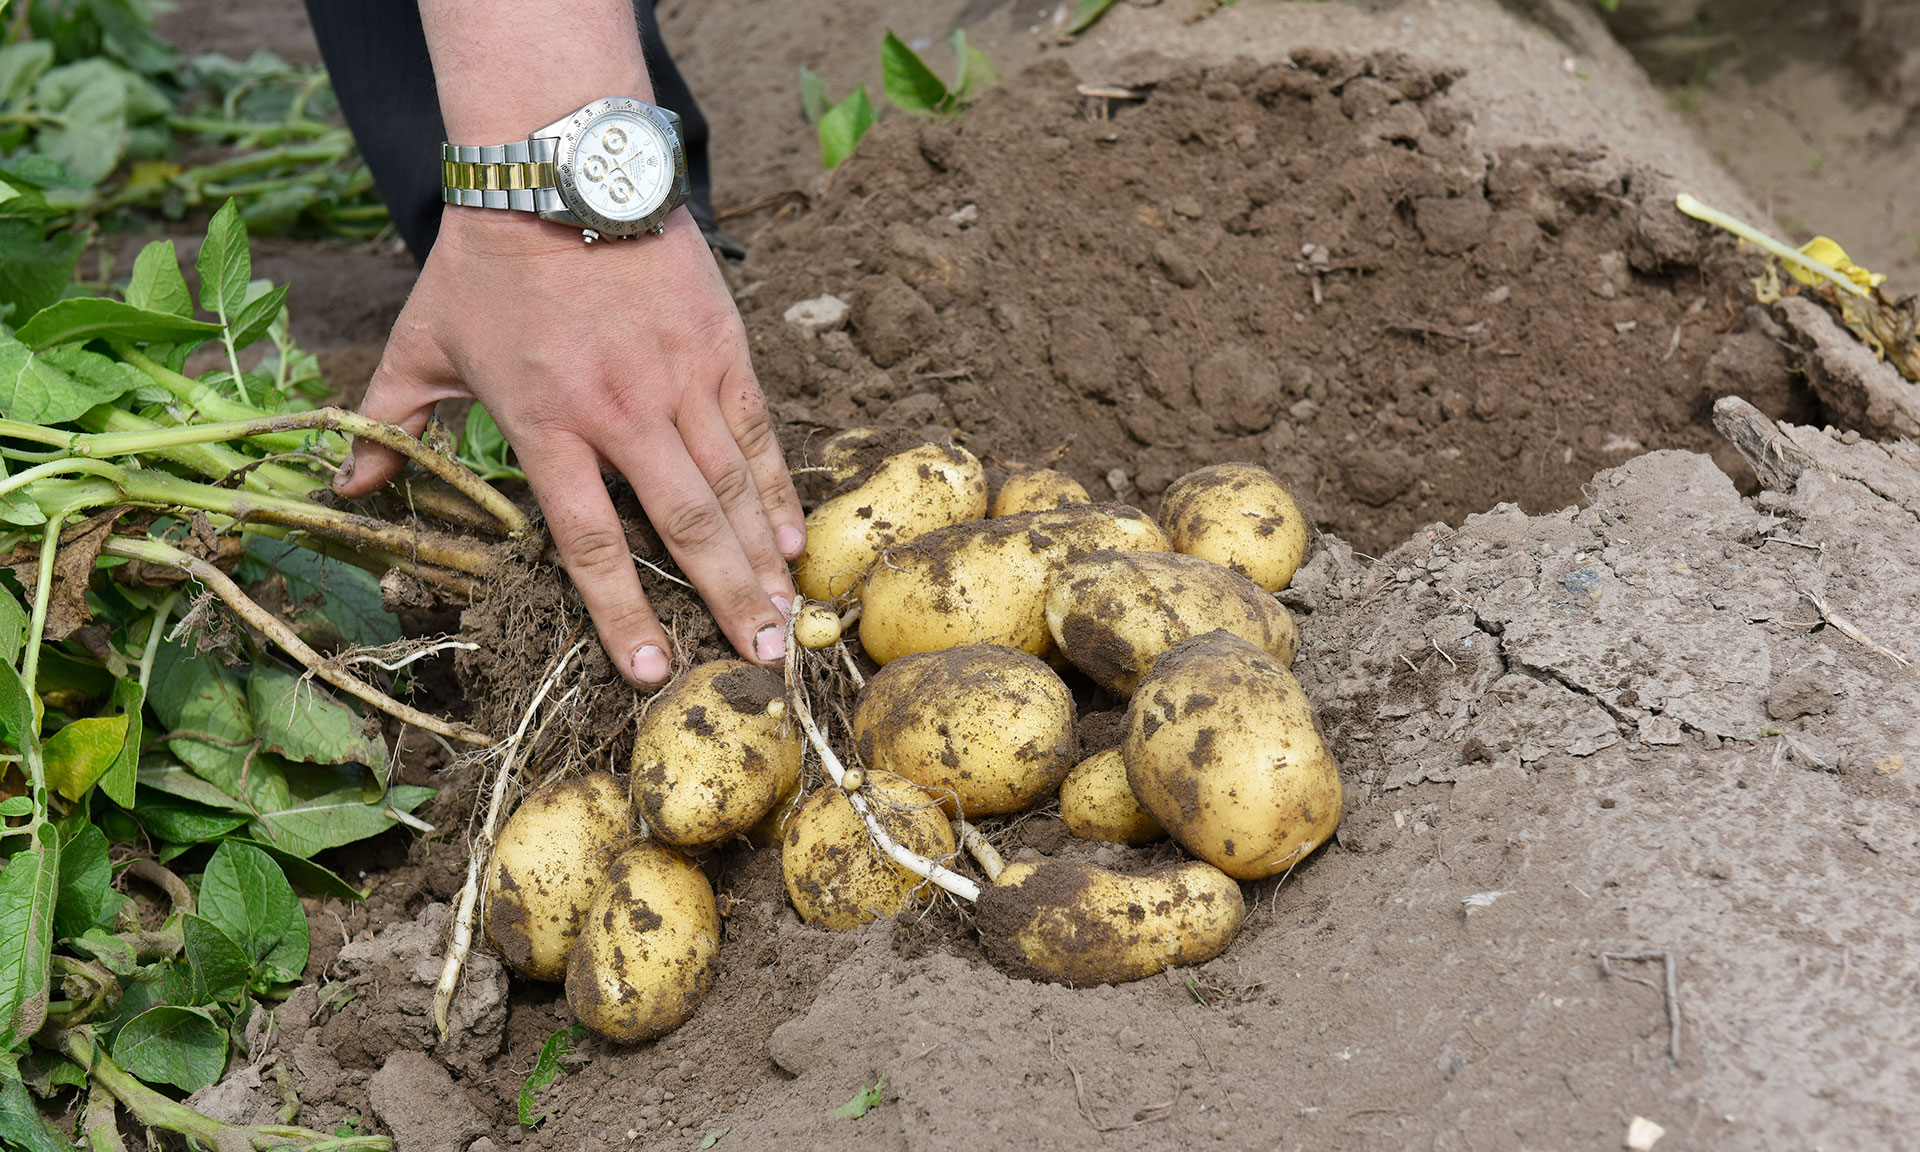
(623, 355)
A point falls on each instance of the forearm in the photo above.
(505, 67)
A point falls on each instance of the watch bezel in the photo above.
(568, 133)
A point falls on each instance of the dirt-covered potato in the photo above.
(1113, 613)
(1097, 803)
(714, 752)
(1223, 751)
(547, 861)
(1238, 515)
(835, 877)
(647, 954)
(909, 493)
(984, 729)
(816, 626)
(1037, 490)
(985, 582)
(1073, 923)
(842, 453)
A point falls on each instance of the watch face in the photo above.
(622, 166)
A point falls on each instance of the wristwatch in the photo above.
(614, 169)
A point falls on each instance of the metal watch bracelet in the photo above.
(518, 176)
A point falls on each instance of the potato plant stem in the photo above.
(150, 1109)
(1752, 235)
(206, 399)
(480, 852)
(158, 552)
(912, 861)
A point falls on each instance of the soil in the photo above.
(1630, 824)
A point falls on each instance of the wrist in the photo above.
(503, 70)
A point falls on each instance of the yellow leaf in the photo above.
(1835, 257)
(80, 753)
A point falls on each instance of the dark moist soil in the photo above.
(1309, 268)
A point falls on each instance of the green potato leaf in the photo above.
(118, 780)
(257, 315)
(908, 82)
(865, 1101)
(305, 874)
(333, 819)
(113, 952)
(1085, 16)
(343, 597)
(173, 1044)
(14, 806)
(221, 968)
(86, 898)
(158, 284)
(87, 133)
(21, 1124)
(21, 66)
(29, 888)
(814, 100)
(245, 894)
(298, 718)
(194, 694)
(89, 318)
(13, 629)
(34, 267)
(974, 73)
(842, 127)
(225, 264)
(175, 821)
(35, 387)
(546, 1069)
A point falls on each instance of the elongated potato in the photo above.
(1097, 803)
(1238, 515)
(985, 582)
(714, 753)
(910, 493)
(1223, 750)
(549, 858)
(647, 954)
(984, 729)
(835, 877)
(1037, 490)
(1073, 923)
(1113, 613)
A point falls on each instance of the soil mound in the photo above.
(1306, 264)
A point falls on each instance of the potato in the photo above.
(1113, 613)
(984, 729)
(835, 877)
(1096, 803)
(1240, 516)
(816, 626)
(547, 861)
(1073, 923)
(909, 493)
(1223, 751)
(844, 452)
(1037, 490)
(647, 954)
(986, 582)
(714, 753)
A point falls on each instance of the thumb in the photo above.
(412, 378)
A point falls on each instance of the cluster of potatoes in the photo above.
(971, 612)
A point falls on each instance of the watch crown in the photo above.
(589, 235)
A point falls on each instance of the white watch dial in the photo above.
(623, 166)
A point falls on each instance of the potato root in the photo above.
(1037, 490)
(1097, 803)
(908, 494)
(835, 877)
(985, 582)
(714, 752)
(1073, 923)
(547, 862)
(647, 954)
(1238, 515)
(1222, 749)
(1113, 613)
(984, 729)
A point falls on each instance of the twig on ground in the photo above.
(1671, 992)
(481, 849)
(1851, 630)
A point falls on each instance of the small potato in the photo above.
(910, 493)
(984, 729)
(1096, 803)
(1113, 613)
(817, 626)
(547, 861)
(647, 954)
(986, 582)
(1073, 923)
(1240, 516)
(1038, 490)
(835, 877)
(714, 753)
(1223, 750)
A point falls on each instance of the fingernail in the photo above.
(789, 540)
(770, 643)
(345, 474)
(650, 665)
(785, 606)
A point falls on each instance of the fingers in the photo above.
(745, 411)
(411, 379)
(565, 476)
(685, 509)
(732, 482)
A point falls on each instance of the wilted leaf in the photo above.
(82, 751)
(299, 719)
